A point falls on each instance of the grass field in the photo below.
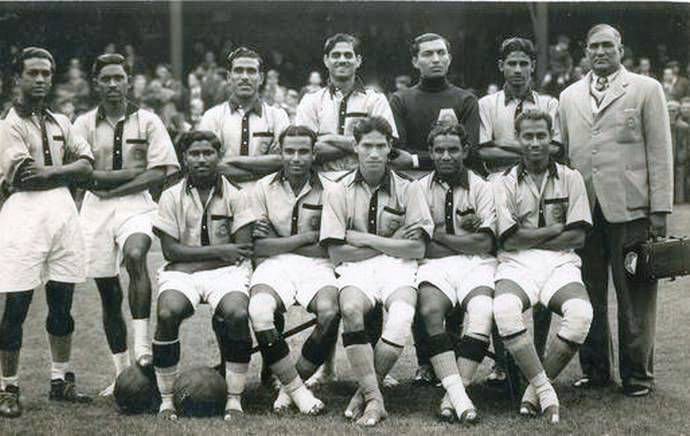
(412, 408)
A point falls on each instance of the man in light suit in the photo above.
(616, 130)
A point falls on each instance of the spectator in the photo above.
(136, 64)
(645, 67)
(272, 86)
(315, 83)
(65, 106)
(291, 102)
(109, 48)
(214, 87)
(139, 84)
(675, 87)
(76, 89)
(491, 89)
(402, 82)
(560, 71)
(679, 137)
(196, 110)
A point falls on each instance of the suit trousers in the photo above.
(605, 246)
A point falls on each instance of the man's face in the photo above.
(196, 110)
(297, 155)
(139, 84)
(342, 62)
(245, 77)
(315, 79)
(36, 78)
(668, 75)
(162, 72)
(448, 154)
(604, 52)
(673, 110)
(112, 83)
(372, 150)
(685, 110)
(535, 139)
(517, 68)
(432, 59)
(645, 66)
(201, 159)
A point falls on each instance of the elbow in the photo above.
(579, 240)
(85, 170)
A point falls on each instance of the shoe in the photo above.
(145, 360)
(552, 415)
(231, 415)
(425, 375)
(496, 376)
(66, 390)
(447, 412)
(108, 391)
(586, 382)
(10, 407)
(167, 414)
(636, 390)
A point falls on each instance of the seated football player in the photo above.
(458, 269)
(204, 224)
(375, 224)
(295, 269)
(543, 216)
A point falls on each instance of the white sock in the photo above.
(456, 392)
(235, 378)
(165, 377)
(299, 393)
(9, 381)
(544, 390)
(58, 370)
(142, 343)
(121, 361)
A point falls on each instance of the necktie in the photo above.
(602, 84)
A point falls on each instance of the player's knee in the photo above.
(480, 315)
(577, 318)
(352, 313)
(59, 323)
(261, 309)
(432, 314)
(507, 310)
(134, 258)
(398, 326)
(326, 313)
(169, 315)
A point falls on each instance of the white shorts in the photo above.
(108, 223)
(207, 286)
(378, 277)
(40, 240)
(540, 273)
(457, 276)
(295, 278)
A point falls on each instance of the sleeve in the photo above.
(381, 108)
(485, 207)
(306, 114)
(13, 152)
(504, 197)
(161, 151)
(166, 218)
(281, 121)
(486, 133)
(656, 129)
(470, 120)
(81, 128)
(417, 209)
(579, 214)
(563, 124)
(242, 210)
(76, 144)
(398, 110)
(208, 122)
(334, 215)
(257, 197)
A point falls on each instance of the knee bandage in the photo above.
(480, 315)
(508, 314)
(261, 309)
(577, 317)
(398, 326)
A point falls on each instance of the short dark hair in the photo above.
(370, 124)
(188, 138)
(243, 52)
(426, 37)
(533, 115)
(28, 53)
(293, 130)
(109, 59)
(600, 27)
(443, 129)
(342, 37)
(518, 44)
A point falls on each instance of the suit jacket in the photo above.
(624, 152)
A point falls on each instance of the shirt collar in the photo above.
(130, 108)
(528, 95)
(26, 111)
(385, 185)
(460, 178)
(612, 77)
(314, 179)
(256, 106)
(217, 186)
(551, 168)
(357, 87)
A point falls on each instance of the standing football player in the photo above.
(374, 224)
(543, 216)
(296, 269)
(40, 240)
(133, 153)
(458, 269)
(204, 226)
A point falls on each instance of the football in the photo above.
(200, 392)
(136, 390)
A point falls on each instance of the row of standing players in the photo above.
(131, 153)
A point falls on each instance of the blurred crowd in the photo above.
(180, 102)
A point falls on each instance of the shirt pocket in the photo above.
(221, 229)
(460, 214)
(391, 220)
(137, 150)
(351, 120)
(262, 142)
(556, 210)
(629, 126)
(311, 217)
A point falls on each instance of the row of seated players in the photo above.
(374, 236)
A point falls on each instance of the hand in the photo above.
(263, 229)
(103, 195)
(657, 225)
(356, 239)
(234, 253)
(32, 175)
(403, 160)
(410, 231)
(470, 223)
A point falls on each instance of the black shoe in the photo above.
(10, 407)
(425, 375)
(66, 390)
(636, 390)
(586, 382)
